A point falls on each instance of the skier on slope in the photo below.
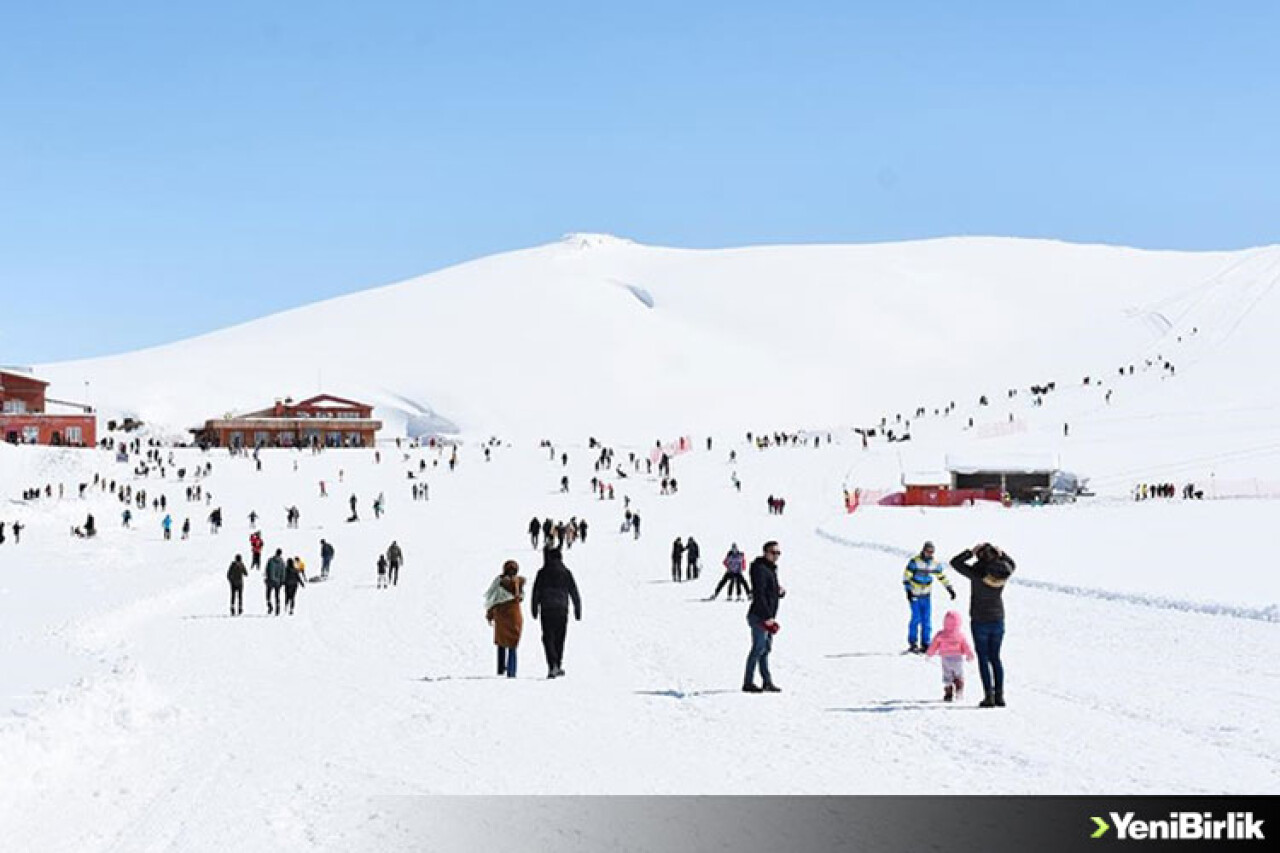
(735, 563)
(917, 580)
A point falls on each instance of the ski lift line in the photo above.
(1270, 613)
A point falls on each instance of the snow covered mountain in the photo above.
(599, 333)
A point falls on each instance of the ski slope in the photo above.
(189, 730)
(670, 340)
(1140, 653)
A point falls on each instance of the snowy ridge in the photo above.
(809, 328)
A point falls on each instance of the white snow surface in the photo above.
(662, 340)
(1142, 637)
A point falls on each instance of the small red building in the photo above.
(321, 421)
(24, 418)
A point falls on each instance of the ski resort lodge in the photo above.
(321, 421)
(25, 420)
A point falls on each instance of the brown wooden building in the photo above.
(321, 421)
(24, 418)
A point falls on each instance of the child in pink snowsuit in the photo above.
(952, 643)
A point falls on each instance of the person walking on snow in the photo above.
(326, 558)
(953, 647)
(917, 580)
(988, 576)
(502, 609)
(535, 527)
(236, 573)
(274, 578)
(294, 577)
(762, 617)
(382, 571)
(677, 558)
(167, 524)
(553, 590)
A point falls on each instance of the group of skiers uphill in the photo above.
(988, 569)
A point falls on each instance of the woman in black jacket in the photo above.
(988, 569)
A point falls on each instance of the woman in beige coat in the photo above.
(502, 609)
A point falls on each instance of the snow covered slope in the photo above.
(599, 333)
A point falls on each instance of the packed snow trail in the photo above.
(196, 731)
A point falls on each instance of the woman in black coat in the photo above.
(988, 570)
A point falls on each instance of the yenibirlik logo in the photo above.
(1182, 826)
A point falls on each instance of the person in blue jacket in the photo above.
(917, 580)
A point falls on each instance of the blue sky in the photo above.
(168, 169)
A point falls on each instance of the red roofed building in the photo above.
(25, 420)
(321, 421)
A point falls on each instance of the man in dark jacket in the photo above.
(691, 553)
(553, 590)
(765, 594)
(236, 574)
(988, 576)
(395, 559)
(274, 577)
(326, 557)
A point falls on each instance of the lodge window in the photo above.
(30, 435)
(74, 436)
(15, 407)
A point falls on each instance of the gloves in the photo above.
(951, 592)
(772, 626)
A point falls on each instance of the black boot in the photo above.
(998, 698)
(988, 701)
(751, 688)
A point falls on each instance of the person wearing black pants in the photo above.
(677, 556)
(236, 574)
(988, 576)
(554, 589)
(292, 580)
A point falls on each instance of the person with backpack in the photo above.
(295, 576)
(988, 569)
(553, 591)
